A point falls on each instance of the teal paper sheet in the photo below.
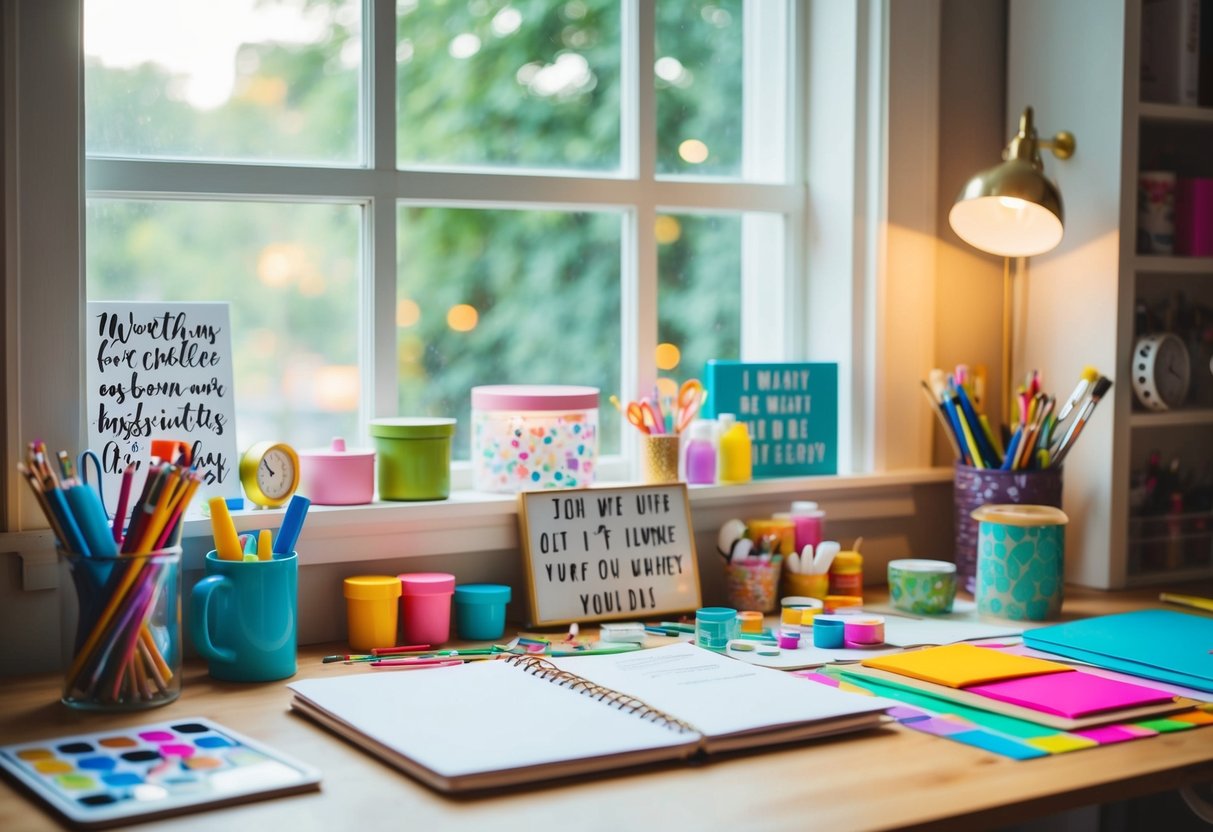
(1153, 644)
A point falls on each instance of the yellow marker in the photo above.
(227, 542)
(970, 442)
(265, 545)
(1194, 601)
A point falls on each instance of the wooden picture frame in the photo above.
(607, 554)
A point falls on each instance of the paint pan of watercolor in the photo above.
(184, 765)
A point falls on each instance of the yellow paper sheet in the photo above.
(961, 665)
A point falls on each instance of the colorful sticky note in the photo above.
(1072, 695)
(1166, 726)
(999, 745)
(1108, 734)
(1061, 743)
(962, 665)
(940, 726)
(1195, 717)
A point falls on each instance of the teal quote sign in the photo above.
(791, 410)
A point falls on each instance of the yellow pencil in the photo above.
(1193, 601)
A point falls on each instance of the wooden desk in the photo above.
(892, 777)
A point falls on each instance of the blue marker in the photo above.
(292, 525)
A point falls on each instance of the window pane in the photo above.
(698, 292)
(519, 83)
(721, 112)
(264, 80)
(290, 273)
(506, 297)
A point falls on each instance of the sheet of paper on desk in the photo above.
(806, 655)
(903, 631)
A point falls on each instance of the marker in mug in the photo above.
(227, 543)
(292, 525)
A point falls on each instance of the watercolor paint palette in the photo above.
(184, 765)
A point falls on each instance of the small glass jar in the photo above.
(531, 437)
(715, 627)
(121, 630)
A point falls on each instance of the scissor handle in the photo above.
(89, 455)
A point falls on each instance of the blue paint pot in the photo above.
(480, 611)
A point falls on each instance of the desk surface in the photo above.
(891, 777)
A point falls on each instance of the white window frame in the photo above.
(843, 52)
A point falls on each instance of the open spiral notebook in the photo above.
(502, 723)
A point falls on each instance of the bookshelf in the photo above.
(1086, 300)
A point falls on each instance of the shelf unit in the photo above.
(1081, 298)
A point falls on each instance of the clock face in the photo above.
(276, 474)
(1172, 372)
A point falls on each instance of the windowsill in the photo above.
(471, 521)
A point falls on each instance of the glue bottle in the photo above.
(846, 572)
(735, 450)
(701, 454)
(810, 523)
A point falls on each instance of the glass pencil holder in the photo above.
(753, 585)
(121, 630)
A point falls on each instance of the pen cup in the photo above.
(973, 488)
(753, 585)
(244, 618)
(1021, 561)
(121, 630)
(809, 586)
(659, 458)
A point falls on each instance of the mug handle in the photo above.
(201, 597)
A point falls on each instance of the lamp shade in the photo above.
(1013, 209)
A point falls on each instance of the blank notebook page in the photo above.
(481, 717)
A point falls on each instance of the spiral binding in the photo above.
(547, 671)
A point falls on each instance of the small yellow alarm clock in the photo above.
(269, 472)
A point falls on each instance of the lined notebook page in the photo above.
(481, 717)
(716, 694)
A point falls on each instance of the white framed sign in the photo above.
(605, 554)
(161, 371)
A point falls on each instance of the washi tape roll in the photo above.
(808, 614)
(867, 630)
(800, 602)
(828, 633)
(791, 616)
(923, 587)
(838, 602)
(751, 621)
(789, 639)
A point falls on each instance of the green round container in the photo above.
(413, 457)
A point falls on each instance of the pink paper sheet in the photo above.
(1071, 695)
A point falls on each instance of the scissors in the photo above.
(642, 416)
(87, 456)
(691, 397)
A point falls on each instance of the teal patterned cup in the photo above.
(923, 587)
(1020, 561)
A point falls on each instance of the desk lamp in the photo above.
(1013, 210)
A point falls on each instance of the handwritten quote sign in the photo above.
(161, 371)
(609, 553)
(790, 409)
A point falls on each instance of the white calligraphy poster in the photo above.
(161, 371)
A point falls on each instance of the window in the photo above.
(404, 200)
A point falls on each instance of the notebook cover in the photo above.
(962, 665)
(1153, 644)
(1073, 695)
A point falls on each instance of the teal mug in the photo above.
(243, 619)
(1020, 561)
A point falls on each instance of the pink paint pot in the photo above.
(337, 476)
(425, 607)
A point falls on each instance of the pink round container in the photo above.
(425, 607)
(335, 476)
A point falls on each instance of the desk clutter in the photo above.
(647, 685)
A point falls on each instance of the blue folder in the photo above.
(1154, 644)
